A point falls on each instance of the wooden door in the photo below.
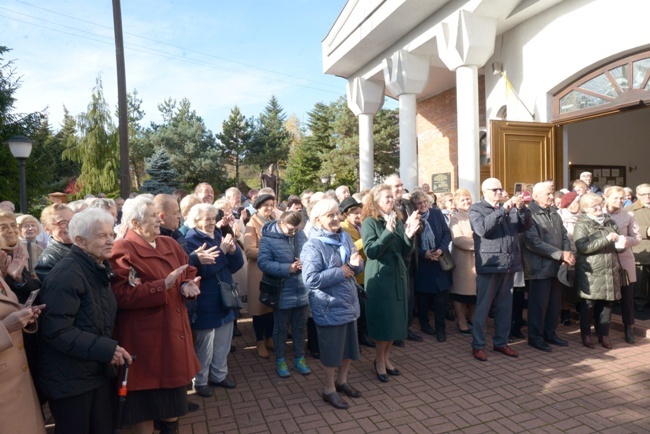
(525, 152)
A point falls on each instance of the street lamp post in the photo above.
(21, 147)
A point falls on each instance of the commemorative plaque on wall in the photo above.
(441, 182)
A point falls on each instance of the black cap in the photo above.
(348, 202)
(261, 199)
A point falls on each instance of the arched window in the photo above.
(620, 84)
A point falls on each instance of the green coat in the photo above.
(597, 265)
(386, 279)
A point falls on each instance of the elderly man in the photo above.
(55, 219)
(496, 226)
(204, 192)
(546, 247)
(641, 210)
(406, 208)
(77, 329)
(588, 178)
(170, 215)
(8, 206)
(342, 192)
(233, 196)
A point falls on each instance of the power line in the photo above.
(281, 74)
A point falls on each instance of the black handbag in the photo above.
(270, 291)
(229, 295)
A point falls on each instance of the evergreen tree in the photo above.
(97, 150)
(162, 177)
(272, 139)
(235, 139)
(189, 143)
(140, 146)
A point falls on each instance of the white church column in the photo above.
(465, 43)
(406, 75)
(365, 97)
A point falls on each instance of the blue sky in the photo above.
(216, 53)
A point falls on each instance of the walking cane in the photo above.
(121, 392)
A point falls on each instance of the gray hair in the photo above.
(83, 223)
(101, 203)
(321, 208)
(539, 187)
(196, 212)
(77, 205)
(231, 191)
(641, 186)
(135, 209)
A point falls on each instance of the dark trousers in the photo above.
(495, 290)
(544, 306)
(362, 325)
(88, 413)
(641, 286)
(518, 303)
(312, 336)
(263, 326)
(627, 304)
(600, 311)
(439, 300)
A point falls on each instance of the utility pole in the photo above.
(125, 178)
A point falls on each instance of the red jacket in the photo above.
(152, 322)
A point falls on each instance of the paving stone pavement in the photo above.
(442, 389)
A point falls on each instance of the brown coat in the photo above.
(629, 228)
(251, 249)
(20, 412)
(152, 322)
(642, 215)
(464, 273)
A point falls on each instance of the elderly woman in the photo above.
(211, 321)
(598, 269)
(629, 236)
(262, 315)
(78, 349)
(55, 219)
(431, 281)
(386, 240)
(152, 280)
(29, 228)
(463, 292)
(18, 278)
(279, 254)
(330, 261)
(20, 410)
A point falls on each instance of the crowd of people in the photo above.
(99, 284)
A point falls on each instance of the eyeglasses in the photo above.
(62, 223)
(6, 227)
(643, 194)
(495, 190)
(597, 206)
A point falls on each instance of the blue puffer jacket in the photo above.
(207, 311)
(332, 297)
(275, 256)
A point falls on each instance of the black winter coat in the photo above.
(544, 243)
(76, 327)
(496, 244)
(53, 253)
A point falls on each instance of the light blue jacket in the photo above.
(275, 256)
(332, 297)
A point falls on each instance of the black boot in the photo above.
(629, 335)
(169, 427)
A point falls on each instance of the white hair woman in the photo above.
(152, 280)
(78, 329)
(329, 263)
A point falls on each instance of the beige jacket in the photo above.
(251, 249)
(464, 273)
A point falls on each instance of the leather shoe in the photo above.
(226, 383)
(441, 336)
(335, 401)
(393, 372)
(204, 391)
(605, 342)
(479, 355)
(467, 331)
(507, 351)
(366, 341)
(315, 354)
(586, 341)
(427, 329)
(399, 343)
(629, 335)
(540, 345)
(348, 390)
(557, 341)
(412, 336)
(381, 377)
(191, 407)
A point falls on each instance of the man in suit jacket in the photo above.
(496, 226)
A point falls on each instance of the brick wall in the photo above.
(437, 134)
